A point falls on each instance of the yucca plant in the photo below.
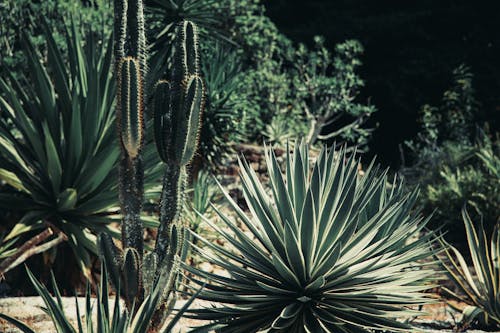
(169, 13)
(329, 250)
(225, 123)
(58, 142)
(99, 316)
(164, 17)
(478, 287)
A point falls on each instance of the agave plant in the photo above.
(327, 250)
(58, 143)
(100, 316)
(481, 291)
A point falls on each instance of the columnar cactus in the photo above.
(178, 105)
(130, 107)
(125, 266)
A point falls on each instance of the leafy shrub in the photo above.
(479, 290)
(454, 162)
(58, 142)
(325, 250)
(23, 16)
(285, 91)
(476, 181)
(326, 86)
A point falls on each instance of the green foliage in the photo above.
(225, 121)
(452, 120)
(454, 163)
(265, 93)
(23, 16)
(99, 317)
(327, 87)
(203, 194)
(297, 91)
(476, 182)
(265, 87)
(280, 130)
(479, 290)
(294, 90)
(281, 91)
(326, 250)
(199, 199)
(57, 135)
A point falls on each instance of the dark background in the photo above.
(411, 48)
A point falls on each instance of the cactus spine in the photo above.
(178, 105)
(130, 70)
(125, 266)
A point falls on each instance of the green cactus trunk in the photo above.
(131, 129)
(178, 105)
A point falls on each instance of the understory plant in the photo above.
(456, 161)
(177, 107)
(58, 154)
(225, 123)
(203, 193)
(324, 249)
(18, 17)
(478, 285)
(101, 315)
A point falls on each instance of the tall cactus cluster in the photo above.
(177, 107)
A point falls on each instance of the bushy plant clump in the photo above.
(455, 161)
(23, 16)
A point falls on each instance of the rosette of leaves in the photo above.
(58, 149)
(479, 288)
(325, 249)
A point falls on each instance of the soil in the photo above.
(28, 310)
